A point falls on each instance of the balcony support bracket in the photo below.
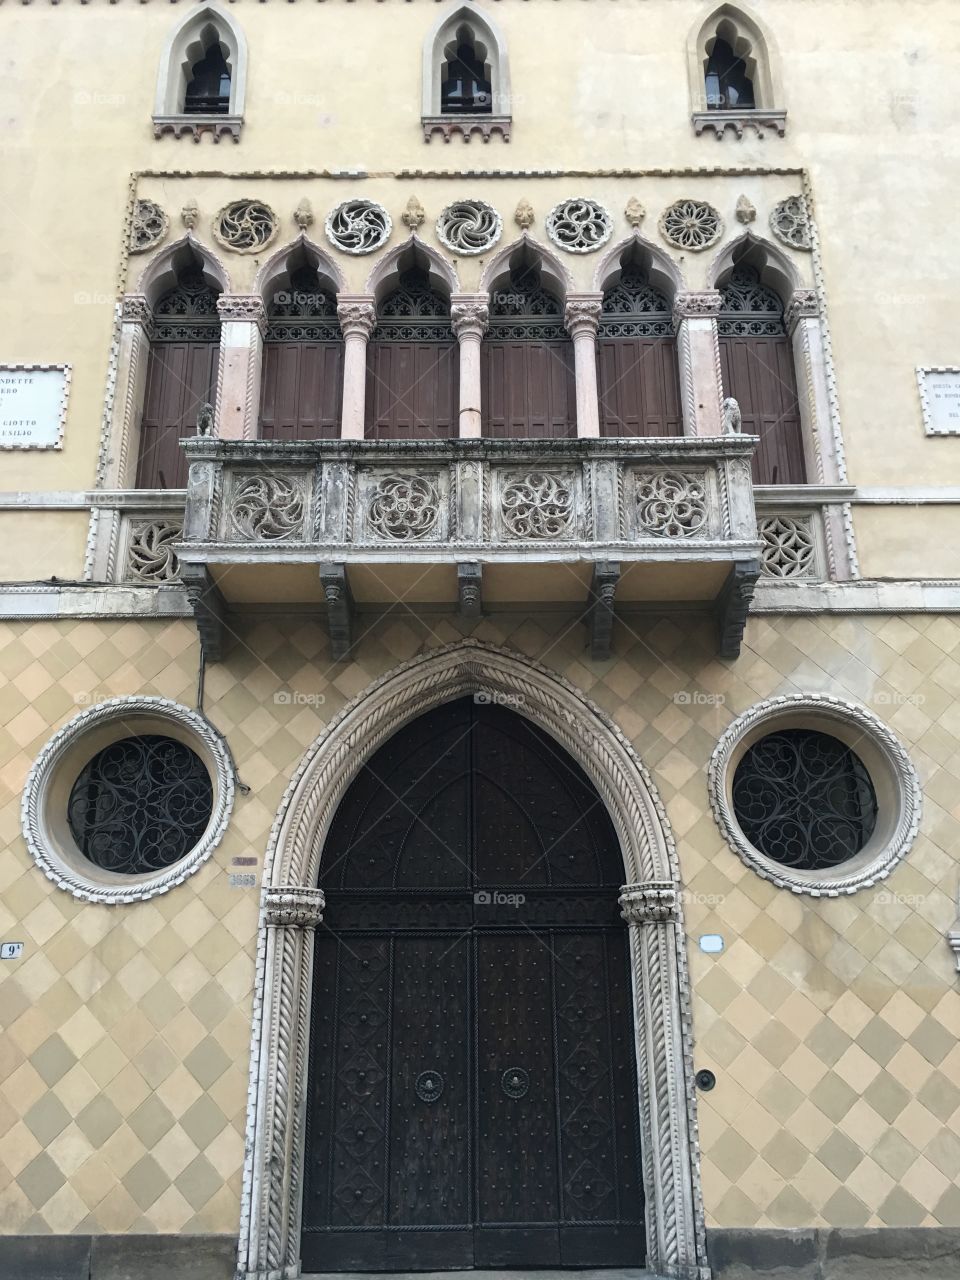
(336, 591)
(208, 607)
(469, 587)
(603, 588)
(733, 605)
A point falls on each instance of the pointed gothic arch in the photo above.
(751, 47)
(160, 273)
(209, 28)
(385, 274)
(662, 270)
(491, 50)
(292, 907)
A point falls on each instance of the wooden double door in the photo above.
(472, 1098)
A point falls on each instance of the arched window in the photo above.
(181, 374)
(202, 78)
(756, 359)
(412, 362)
(527, 366)
(734, 75)
(637, 374)
(466, 79)
(302, 357)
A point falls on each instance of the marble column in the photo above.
(358, 319)
(136, 331)
(698, 351)
(243, 324)
(469, 316)
(581, 317)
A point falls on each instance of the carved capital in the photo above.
(358, 317)
(582, 313)
(803, 304)
(469, 315)
(953, 942)
(137, 310)
(652, 903)
(293, 907)
(245, 307)
(694, 304)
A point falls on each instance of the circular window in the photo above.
(140, 804)
(128, 799)
(815, 794)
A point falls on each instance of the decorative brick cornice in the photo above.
(654, 902)
(466, 126)
(195, 126)
(756, 119)
(357, 316)
(581, 314)
(293, 907)
(695, 304)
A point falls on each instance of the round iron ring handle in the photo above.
(515, 1082)
(429, 1086)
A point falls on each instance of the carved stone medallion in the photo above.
(578, 225)
(268, 508)
(404, 508)
(670, 504)
(245, 226)
(538, 504)
(358, 226)
(790, 222)
(150, 554)
(469, 226)
(691, 224)
(148, 226)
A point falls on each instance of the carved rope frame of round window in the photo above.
(50, 781)
(894, 779)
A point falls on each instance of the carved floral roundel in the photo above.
(358, 226)
(469, 226)
(691, 224)
(245, 226)
(578, 225)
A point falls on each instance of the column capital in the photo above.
(357, 314)
(581, 313)
(136, 309)
(696, 304)
(804, 304)
(469, 314)
(246, 307)
(654, 902)
(293, 906)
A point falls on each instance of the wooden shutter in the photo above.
(412, 390)
(301, 390)
(528, 389)
(639, 386)
(759, 373)
(181, 376)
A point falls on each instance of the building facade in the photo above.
(479, 639)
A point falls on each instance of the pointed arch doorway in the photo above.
(472, 1097)
(292, 910)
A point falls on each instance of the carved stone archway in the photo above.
(292, 907)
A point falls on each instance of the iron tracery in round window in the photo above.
(140, 804)
(805, 799)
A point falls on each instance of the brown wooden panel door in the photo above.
(181, 376)
(301, 390)
(639, 387)
(528, 389)
(759, 373)
(412, 390)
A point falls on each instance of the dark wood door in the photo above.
(639, 387)
(759, 373)
(472, 1098)
(301, 390)
(412, 390)
(528, 388)
(181, 377)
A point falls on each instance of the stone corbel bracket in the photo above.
(466, 126)
(195, 126)
(738, 121)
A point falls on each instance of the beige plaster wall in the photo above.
(832, 1026)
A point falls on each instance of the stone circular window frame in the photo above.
(50, 781)
(894, 779)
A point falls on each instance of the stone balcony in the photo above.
(595, 525)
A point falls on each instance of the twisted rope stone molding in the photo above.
(62, 758)
(270, 1203)
(891, 771)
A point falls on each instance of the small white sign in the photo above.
(10, 950)
(33, 405)
(940, 399)
(711, 943)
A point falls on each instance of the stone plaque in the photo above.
(33, 405)
(940, 399)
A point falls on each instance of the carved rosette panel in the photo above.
(150, 551)
(691, 224)
(789, 546)
(267, 508)
(790, 222)
(358, 226)
(579, 226)
(404, 508)
(148, 226)
(245, 226)
(469, 226)
(670, 504)
(538, 505)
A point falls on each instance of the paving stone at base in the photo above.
(751, 1254)
(44, 1257)
(847, 1253)
(161, 1257)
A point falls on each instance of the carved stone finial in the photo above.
(634, 212)
(303, 214)
(732, 419)
(414, 215)
(524, 215)
(293, 907)
(205, 420)
(746, 212)
(652, 903)
(190, 215)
